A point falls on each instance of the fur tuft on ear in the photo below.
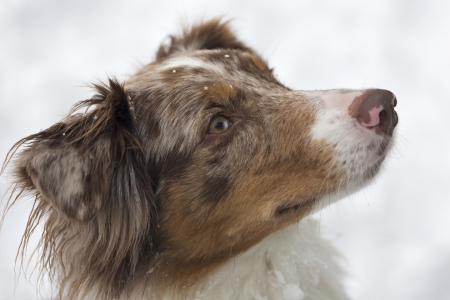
(214, 34)
(72, 163)
(90, 180)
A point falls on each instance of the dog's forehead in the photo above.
(220, 61)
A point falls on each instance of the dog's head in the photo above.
(197, 157)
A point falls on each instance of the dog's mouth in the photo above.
(292, 207)
(286, 208)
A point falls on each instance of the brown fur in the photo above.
(122, 189)
(214, 34)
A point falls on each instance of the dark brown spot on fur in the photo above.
(214, 34)
(216, 188)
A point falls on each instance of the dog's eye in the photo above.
(219, 124)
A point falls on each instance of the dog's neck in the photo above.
(293, 263)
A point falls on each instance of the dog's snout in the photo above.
(375, 110)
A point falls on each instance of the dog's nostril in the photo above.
(374, 116)
(383, 117)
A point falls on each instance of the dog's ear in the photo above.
(88, 158)
(214, 34)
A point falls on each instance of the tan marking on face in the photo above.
(220, 91)
(266, 192)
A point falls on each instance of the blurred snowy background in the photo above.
(395, 235)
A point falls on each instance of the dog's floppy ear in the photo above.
(214, 34)
(74, 163)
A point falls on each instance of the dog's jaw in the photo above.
(359, 149)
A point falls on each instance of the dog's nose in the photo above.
(375, 110)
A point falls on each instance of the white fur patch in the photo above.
(357, 149)
(184, 61)
(292, 264)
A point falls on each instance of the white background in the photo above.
(395, 234)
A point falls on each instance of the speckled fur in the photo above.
(140, 201)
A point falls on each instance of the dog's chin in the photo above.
(373, 170)
(366, 176)
(353, 185)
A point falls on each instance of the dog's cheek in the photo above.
(215, 188)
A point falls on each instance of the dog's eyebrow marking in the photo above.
(190, 62)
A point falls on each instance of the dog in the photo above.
(195, 177)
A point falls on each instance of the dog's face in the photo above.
(248, 156)
(199, 156)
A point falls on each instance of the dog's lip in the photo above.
(371, 171)
(295, 205)
(285, 208)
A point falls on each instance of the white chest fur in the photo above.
(291, 264)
